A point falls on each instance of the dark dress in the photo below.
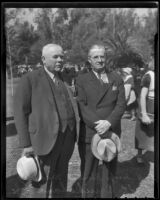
(144, 134)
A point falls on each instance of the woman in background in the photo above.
(144, 131)
(131, 99)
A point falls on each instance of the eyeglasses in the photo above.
(58, 56)
(98, 57)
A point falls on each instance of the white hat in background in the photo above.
(105, 149)
(127, 70)
(28, 168)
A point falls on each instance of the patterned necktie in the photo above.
(100, 79)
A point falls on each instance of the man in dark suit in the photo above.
(46, 116)
(101, 99)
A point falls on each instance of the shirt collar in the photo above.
(97, 75)
(49, 73)
(103, 76)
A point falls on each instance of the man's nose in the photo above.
(99, 59)
(59, 58)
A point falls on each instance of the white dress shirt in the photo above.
(50, 74)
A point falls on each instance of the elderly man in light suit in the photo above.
(101, 98)
(46, 118)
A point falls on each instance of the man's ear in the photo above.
(43, 59)
(89, 59)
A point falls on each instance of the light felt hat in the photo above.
(28, 168)
(105, 149)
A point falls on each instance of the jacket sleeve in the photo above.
(22, 109)
(120, 106)
(86, 113)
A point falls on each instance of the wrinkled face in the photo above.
(53, 59)
(97, 59)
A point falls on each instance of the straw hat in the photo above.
(28, 168)
(105, 149)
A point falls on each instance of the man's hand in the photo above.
(27, 151)
(102, 126)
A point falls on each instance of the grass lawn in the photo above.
(132, 180)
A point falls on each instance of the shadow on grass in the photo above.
(76, 189)
(129, 176)
(15, 188)
(148, 156)
(14, 185)
(11, 129)
(128, 179)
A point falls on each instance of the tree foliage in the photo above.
(127, 39)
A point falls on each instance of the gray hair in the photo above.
(96, 46)
(47, 47)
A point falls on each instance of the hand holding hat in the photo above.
(28, 151)
(28, 168)
(106, 149)
(102, 126)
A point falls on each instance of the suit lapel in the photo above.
(96, 86)
(45, 83)
(95, 83)
(106, 87)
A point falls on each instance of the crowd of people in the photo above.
(54, 108)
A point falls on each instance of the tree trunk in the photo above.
(10, 64)
(26, 61)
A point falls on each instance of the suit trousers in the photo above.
(54, 167)
(97, 180)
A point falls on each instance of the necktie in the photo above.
(55, 80)
(100, 79)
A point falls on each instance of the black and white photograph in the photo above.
(80, 100)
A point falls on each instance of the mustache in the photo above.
(101, 62)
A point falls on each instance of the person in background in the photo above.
(46, 116)
(144, 131)
(83, 69)
(131, 98)
(101, 99)
(68, 73)
(88, 66)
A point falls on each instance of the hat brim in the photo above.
(96, 139)
(117, 141)
(39, 173)
(36, 167)
(109, 150)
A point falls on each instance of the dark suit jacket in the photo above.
(35, 112)
(100, 103)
